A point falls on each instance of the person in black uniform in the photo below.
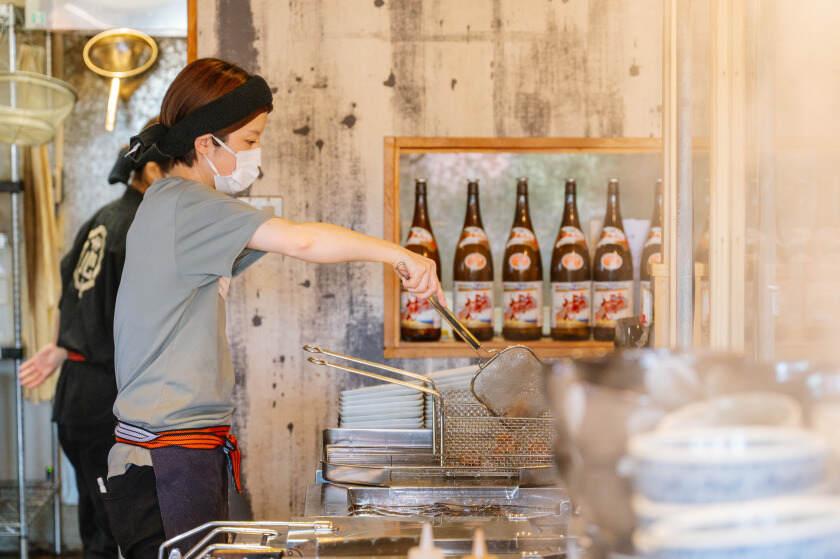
(86, 390)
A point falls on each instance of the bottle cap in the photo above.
(479, 547)
(420, 185)
(426, 549)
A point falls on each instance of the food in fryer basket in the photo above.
(539, 448)
(505, 444)
(469, 458)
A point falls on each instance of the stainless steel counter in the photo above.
(387, 520)
(386, 537)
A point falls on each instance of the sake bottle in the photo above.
(522, 274)
(651, 254)
(571, 275)
(472, 271)
(419, 322)
(612, 287)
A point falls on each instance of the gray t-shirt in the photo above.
(184, 237)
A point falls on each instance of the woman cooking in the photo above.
(168, 470)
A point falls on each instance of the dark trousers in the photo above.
(87, 446)
(149, 505)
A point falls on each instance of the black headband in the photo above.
(123, 166)
(121, 171)
(162, 141)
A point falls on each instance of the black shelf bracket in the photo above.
(10, 186)
(11, 353)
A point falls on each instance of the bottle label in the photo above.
(416, 314)
(421, 236)
(572, 261)
(654, 236)
(570, 304)
(522, 304)
(570, 236)
(474, 303)
(611, 261)
(646, 309)
(475, 261)
(472, 235)
(522, 236)
(611, 300)
(519, 261)
(612, 236)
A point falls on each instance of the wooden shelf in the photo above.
(545, 348)
(395, 348)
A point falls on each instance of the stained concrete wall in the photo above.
(346, 74)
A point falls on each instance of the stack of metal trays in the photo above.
(397, 457)
(379, 447)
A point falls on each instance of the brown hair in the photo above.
(199, 83)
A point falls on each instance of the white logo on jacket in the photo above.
(90, 260)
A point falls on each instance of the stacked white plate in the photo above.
(381, 407)
(387, 406)
(446, 380)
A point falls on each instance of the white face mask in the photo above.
(247, 170)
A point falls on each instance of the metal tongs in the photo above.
(510, 382)
(265, 532)
(426, 385)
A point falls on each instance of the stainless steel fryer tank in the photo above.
(390, 457)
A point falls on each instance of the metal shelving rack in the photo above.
(21, 502)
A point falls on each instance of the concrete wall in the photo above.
(345, 75)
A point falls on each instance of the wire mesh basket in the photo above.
(32, 106)
(473, 437)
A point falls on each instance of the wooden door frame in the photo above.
(192, 30)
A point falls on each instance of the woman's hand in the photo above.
(419, 276)
(42, 365)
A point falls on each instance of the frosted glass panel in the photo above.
(160, 18)
(793, 220)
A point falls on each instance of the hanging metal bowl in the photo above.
(119, 54)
